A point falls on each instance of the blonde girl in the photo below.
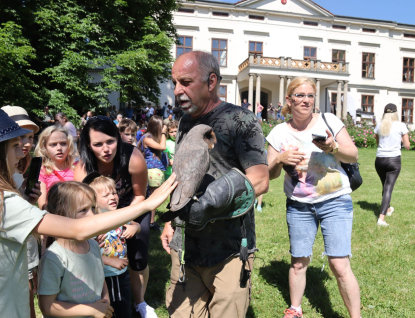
(114, 252)
(71, 272)
(58, 152)
(19, 219)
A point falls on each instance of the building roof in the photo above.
(319, 7)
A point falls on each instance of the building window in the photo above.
(185, 45)
(339, 27)
(367, 103)
(222, 92)
(220, 51)
(311, 23)
(255, 48)
(369, 30)
(184, 10)
(256, 17)
(220, 14)
(333, 103)
(408, 70)
(310, 53)
(408, 35)
(338, 56)
(368, 65)
(407, 110)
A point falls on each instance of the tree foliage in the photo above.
(49, 47)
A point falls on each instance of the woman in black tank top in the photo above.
(102, 150)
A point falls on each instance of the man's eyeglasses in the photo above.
(218, 76)
(302, 96)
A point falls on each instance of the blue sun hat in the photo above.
(9, 129)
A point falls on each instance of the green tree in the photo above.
(15, 73)
(57, 43)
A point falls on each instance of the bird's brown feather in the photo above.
(191, 162)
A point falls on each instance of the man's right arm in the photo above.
(259, 177)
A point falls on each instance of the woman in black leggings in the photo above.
(389, 135)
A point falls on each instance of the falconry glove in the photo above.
(228, 197)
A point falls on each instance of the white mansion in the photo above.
(262, 45)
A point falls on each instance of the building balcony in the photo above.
(287, 63)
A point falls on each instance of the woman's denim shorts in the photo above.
(335, 216)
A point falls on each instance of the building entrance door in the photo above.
(263, 102)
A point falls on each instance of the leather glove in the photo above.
(230, 196)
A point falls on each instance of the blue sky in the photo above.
(401, 11)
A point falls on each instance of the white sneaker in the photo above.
(382, 223)
(389, 213)
(145, 310)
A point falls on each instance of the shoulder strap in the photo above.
(140, 145)
(327, 124)
(58, 175)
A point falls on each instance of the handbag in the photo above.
(351, 169)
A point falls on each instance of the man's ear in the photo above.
(213, 80)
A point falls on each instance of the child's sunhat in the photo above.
(91, 177)
(21, 117)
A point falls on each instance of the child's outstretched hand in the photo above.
(118, 263)
(131, 230)
(102, 309)
(161, 193)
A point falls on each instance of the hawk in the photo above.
(191, 163)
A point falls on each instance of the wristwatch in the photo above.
(336, 148)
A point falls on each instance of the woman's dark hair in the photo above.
(106, 126)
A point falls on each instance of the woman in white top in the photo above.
(317, 190)
(389, 135)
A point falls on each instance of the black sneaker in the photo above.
(155, 226)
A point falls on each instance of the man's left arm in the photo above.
(259, 177)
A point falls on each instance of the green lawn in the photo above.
(382, 257)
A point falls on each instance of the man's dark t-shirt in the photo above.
(246, 105)
(240, 144)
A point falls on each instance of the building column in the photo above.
(282, 97)
(237, 95)
(345, 90)
(258, 92)
(251, 90)
(339, 99)
(317, 100)
(289, 78)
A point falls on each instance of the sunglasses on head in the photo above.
(218, 76)
(102, 117)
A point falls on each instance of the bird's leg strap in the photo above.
(182, 271)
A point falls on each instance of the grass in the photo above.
(382, 257)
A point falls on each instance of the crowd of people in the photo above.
(273, 113)
(99, 188)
